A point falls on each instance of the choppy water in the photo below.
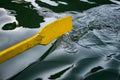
(91, 51)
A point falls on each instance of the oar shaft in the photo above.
(18, 48)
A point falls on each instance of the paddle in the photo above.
(44, 37)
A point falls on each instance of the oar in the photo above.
(43, 37)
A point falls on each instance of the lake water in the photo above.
(91, 51)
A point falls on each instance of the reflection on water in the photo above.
(4, 40)
(26, 15)
(115, 1)
(53, 3)
(87, 1)
(6, 17)
(91, 51)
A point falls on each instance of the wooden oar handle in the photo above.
(18, 48)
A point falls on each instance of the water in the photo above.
(91, 51)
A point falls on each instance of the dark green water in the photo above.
(91, 51)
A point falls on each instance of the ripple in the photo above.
(6, 18)
(115, 1)
(88, 1)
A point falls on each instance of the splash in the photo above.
(96, 28)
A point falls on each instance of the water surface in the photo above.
(91, 51)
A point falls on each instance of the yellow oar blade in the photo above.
(55, 29)
(44, 36)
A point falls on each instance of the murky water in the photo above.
(91, 51)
